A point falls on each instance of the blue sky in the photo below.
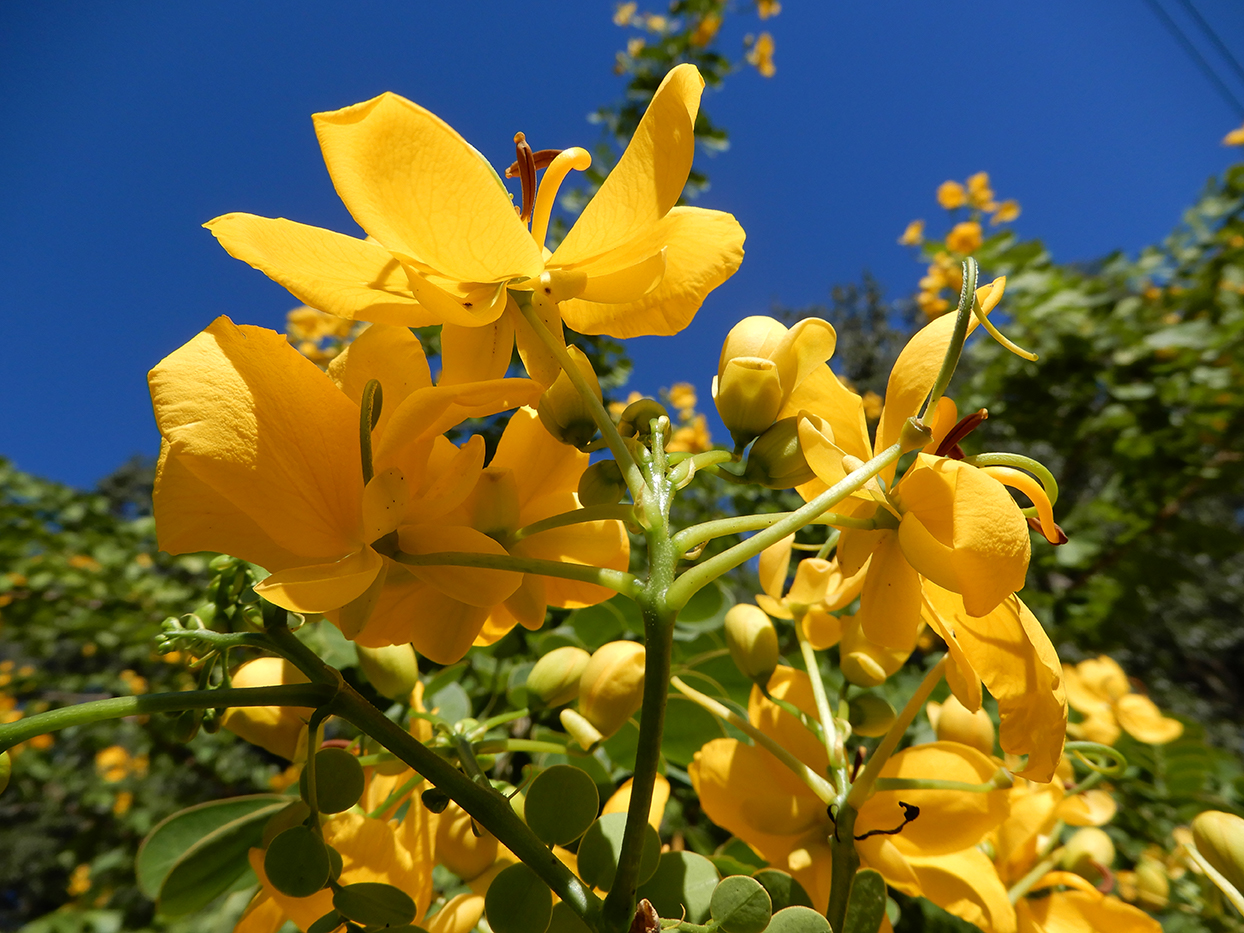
(126, 126)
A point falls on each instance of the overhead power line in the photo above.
(1194, 53)
(1213, 37)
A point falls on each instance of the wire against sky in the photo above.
(1232, 99)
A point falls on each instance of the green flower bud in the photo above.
(601, 484)
(563, 411)
(748, 393)
(776, 459)
(392, 670)
(863, 662)
(871, 715)
(554, 680)
(1153, 887)
(636, 420)
(1086, 850)
(752, 641)
(612, 686)
(1219, 837)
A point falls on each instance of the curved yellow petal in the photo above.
(1090, 808)
(795, 688)
(620, 801)
(476, 354)
(595, 544)
(474, 307)
(1086, 912)
(321, 587)
(1140, 717)
(804, 349)
(948, 820)
(961, 676)
(460, 915)
(385, 499)
(439, 627)
(354, 279)
(702, 248)
(414, 184)
(450, 474)
(1103, 675)
(475, 586)
(541, 465)
(627, 284)
(824, 395)
(745, 790)
(890, 600)
(393, 356)
(964, 884)
(813, 576)
(279, 729)
(775, 566)
(649, 178)
(264, 427)
(1084, 697)
(263, 915)
(539, 360)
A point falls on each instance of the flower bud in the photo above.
(1087, 852)
(601, 484)
(871, 715)
(637, 417)
(554, 679)
(953, 723)
(564, 411)
(392, 670)
(1219, 837)
(1153, 887)
(612, 685)
(752, 641)
(748, 393)
(458, 845)
(6, 769)
(579, 729)
(279, 729)
(776, 459)
(865, 663)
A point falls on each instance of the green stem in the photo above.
(694, 535)
(83, 714)
(1019, 461)
(414, 781)
(618, 580)
(967, 297)
(1035, 874)
(883, 784)
(626, 463)
(593, 513)
(829, 731)
(846, 862)
(494, 746)
(701, 575)
(819, 786)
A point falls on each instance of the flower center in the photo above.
(537, 204)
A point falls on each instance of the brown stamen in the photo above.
(525, 167)
(949, 447)
(543, 159)
(1035, 525)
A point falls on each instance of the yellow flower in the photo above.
(445, 245)
(691, 438)
(706, 30)
(1007, 211)
(1234, 138)
(768, 8)
(682, 396)
(980, 194)
(261, 460)
(282, 730)
(964, 237)
(913, 235)
(819, 588)
(1099, 689)
(746, 790)
(113, 763)
(79, 881)
(531, 477)
(623, 12)
(761, 55)
(951, 194)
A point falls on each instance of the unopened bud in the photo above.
(1153, 887)
(637, 418)
(601, 484)
(863, 662)
(1088, 852)
(393, 670)
(554, 680)
(579, 729)
(752, 641)
(871, 715)
(1219, 837)
(612, 686)
(465, 848)
(776, 459)
(562, 408)
(953, 723)
(748, 393)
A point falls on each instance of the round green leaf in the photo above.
(374, 904)
(293, 814)
(338, 780)
(683, 881)
(798, 920)
(740, 904)
(297, 862)
(518, 901)
(688, 726)
(784, 891)
(866, 904)
(561, 804)
(602, 845)
(327, 923)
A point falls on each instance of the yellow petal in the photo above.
(1088, 912)
(477, 354)
(964, 884)
(259, 423)
(540, 361)
(948, 820)
(804, 349)
(775, 565)
(1090, 808)
(1140, 717)
(1103, 675)
(475, 306)
(745, 790)
(460, 915)
(821, 629)
(890, 601)
(354, 279)
(279, 729)
(795, 688)
(961, 676)
(321, 587)
(393, 356)
(541, 465)
(384, 503)
(1084, 697)
(702, 249)
(263, 915)
(620, 802)
(647, 181)
(414, 184)
(595, 544)
(1013, 655)
(439, 627)
(1033, 815)
(475, 586)
(450, 474)
(627, 284)
(822, 394)
(813, 576)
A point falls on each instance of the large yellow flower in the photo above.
(1099, 689)
(261, 460)
(445, 245)
(746, 790)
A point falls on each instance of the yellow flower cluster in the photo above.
(760, 53)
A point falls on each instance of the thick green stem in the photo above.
(593, 513)
(846, 862)
(701, 575)
(694, 535)
(84, 714)
(618, 580)
(967, 298)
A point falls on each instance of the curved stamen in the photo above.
(1034, 491)
(558, 169)
(525, 167)
(949, 446)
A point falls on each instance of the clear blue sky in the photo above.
(128, 125)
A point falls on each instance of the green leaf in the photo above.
(783, 889)
(374, 904)
(297, 862)
(174, 835)
(602, 845)
(688, 727)
(450, 702)
(866, 905)
(211, 865)
(798, 920)
(338, 780)
(562, 802)
(327, 923)
(740, 904)
(518, 901)
(597, 624)
(683, 881)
